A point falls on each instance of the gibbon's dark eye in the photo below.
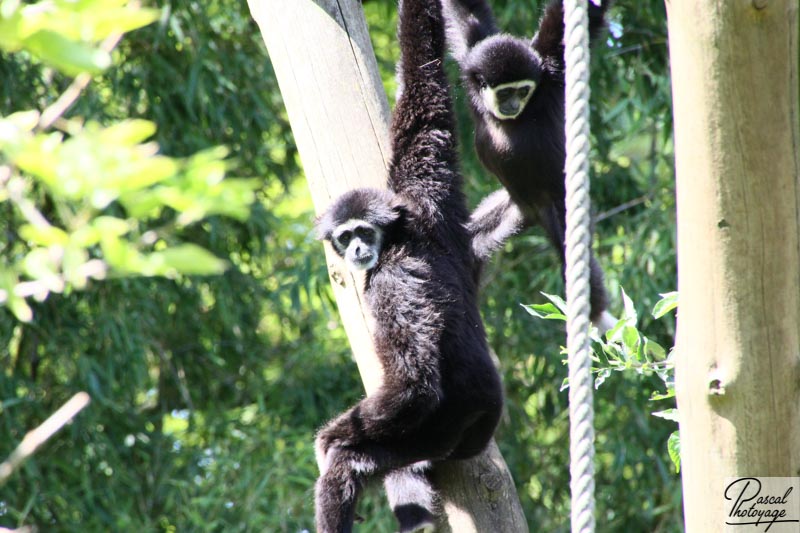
(365, 234)
(344, 237)
(523, 92)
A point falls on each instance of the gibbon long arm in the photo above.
(424, 149)
(467, 22)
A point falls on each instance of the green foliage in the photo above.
(674, 448)
(207, 390)
(667, 303)
(65, 34)
(626, 349)
(102, 184)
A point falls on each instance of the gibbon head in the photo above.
(502, 72)
(357, 225)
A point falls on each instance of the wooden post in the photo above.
(329, 80)
(737, 150)
(328, 76)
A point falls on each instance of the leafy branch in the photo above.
(103, 187)
(624, 348)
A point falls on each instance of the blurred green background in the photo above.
(207, 390)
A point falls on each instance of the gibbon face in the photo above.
(359, 243)
(502, 72)
(357, 225)
(507, 100)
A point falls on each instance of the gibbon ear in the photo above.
(323, 226)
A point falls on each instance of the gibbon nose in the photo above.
(510, 106)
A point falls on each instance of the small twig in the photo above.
(432, 62)
(15, 188)
(36, 437)
(622, 207)
(68, 97)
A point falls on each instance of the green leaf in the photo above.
(191, 259)
(558, 301)
(143, 203)
(667, 414)
(122, 256)
(84, 21)
(70, 57)
(16, 125)
(655, 396)
(601, 377)
(654, 350)
(545, 311)
(44, 235)
(12, 142)
(613, 353)
(85, 236)
(615, 333)
(630, 310)
(129, 132)
(674, 450)
(667, 303)
(112, 226)
(10, 22)
(122, 20)
(9, 8)
(17, 304)
(74, 258)
(41, 266)
(145, 172)
(20, 308)
(40, 156)
(232, 197)
(630, 338)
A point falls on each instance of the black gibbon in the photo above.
(441, 396)
(515, 88)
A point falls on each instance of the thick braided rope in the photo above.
(581, 410)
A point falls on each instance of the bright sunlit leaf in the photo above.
(70, 57)
(667, 303)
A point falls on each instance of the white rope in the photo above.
(581, 410)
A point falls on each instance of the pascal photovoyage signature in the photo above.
(751, 507)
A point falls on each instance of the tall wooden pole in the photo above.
(326, 68)
(737, 149)
(329, 81)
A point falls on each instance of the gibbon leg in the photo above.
(382, 433)
(385, 416)
(412, 497)
(337, 490)
(552, 220)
